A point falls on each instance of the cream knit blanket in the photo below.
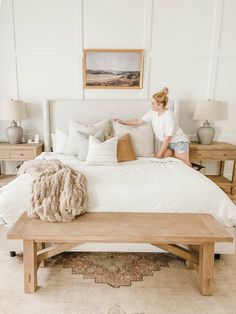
(59, 193)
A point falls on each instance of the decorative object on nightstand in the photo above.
(198, 167)
(207, 110)
(13, 110)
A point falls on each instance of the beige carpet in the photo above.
(171, 290)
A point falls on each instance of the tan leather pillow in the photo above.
(125, 150)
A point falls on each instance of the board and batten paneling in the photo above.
(47, 76)
(189, 46)
(227, 42)
(6, 26)
(45, 25)
(182, 28)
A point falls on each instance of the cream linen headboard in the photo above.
(56, 113)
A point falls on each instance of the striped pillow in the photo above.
(102, 153)
(83, 142)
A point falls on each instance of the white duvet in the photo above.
(144, 185)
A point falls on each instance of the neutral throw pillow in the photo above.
(102, 153)
(59, 139)
(71, 147)
(125, 150)
(142, 137)
(83, 142)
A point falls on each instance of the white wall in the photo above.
(189, 46)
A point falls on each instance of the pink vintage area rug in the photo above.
(114, 269)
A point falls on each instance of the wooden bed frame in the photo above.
(167, 231)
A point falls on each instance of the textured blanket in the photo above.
(59, 193)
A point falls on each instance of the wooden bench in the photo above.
(167, 231)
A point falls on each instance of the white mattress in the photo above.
(144, 185)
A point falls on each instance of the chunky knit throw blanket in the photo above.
(59, 193)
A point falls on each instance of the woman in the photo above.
(165, 127)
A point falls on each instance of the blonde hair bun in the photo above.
(165, 90)
(161, 97)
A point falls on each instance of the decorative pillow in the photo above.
(59, 139)
(102, 153)
(142, 137)
(125, 150)
(71, 147)
(83, 142)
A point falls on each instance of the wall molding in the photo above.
(147, 43)
(79, 19)
(147, 38)
(216, 36)
(15, 48)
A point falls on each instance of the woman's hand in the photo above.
(119, 121)
(130, 122)
(162, 151)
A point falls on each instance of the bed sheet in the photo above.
(143, 185)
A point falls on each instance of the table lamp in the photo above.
(13, 110)
(207, 110)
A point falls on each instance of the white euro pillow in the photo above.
(59, 139)
(71, 147)
(102, 153)
(142, 137)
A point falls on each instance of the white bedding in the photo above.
(143, 185)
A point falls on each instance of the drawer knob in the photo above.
(22, 154)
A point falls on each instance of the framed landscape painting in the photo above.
(113, 68)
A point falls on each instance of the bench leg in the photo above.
(30, 266)
(206, 268)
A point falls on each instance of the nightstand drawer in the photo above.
(226, 155)
(4, 153)
(200, 155)
(23, 154)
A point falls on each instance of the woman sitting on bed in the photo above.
(165, 127)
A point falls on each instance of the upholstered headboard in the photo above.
(56, 113)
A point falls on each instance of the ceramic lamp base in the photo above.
(205, 134)
(14, 133)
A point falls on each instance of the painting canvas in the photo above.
(113, 68)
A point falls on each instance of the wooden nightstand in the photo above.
(219, 151)
(17, 152)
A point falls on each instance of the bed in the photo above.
(142, 185)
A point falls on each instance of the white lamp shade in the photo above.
(209, 110)
(12, 110)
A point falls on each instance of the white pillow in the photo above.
(102, 153)
(142, 137)
(71, 147)
(58, 141)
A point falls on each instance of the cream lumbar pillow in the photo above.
(102, 153)
(142, 137)
(71, 147)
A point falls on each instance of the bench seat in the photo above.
(168, 231)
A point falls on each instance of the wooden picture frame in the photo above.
(113, 68)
